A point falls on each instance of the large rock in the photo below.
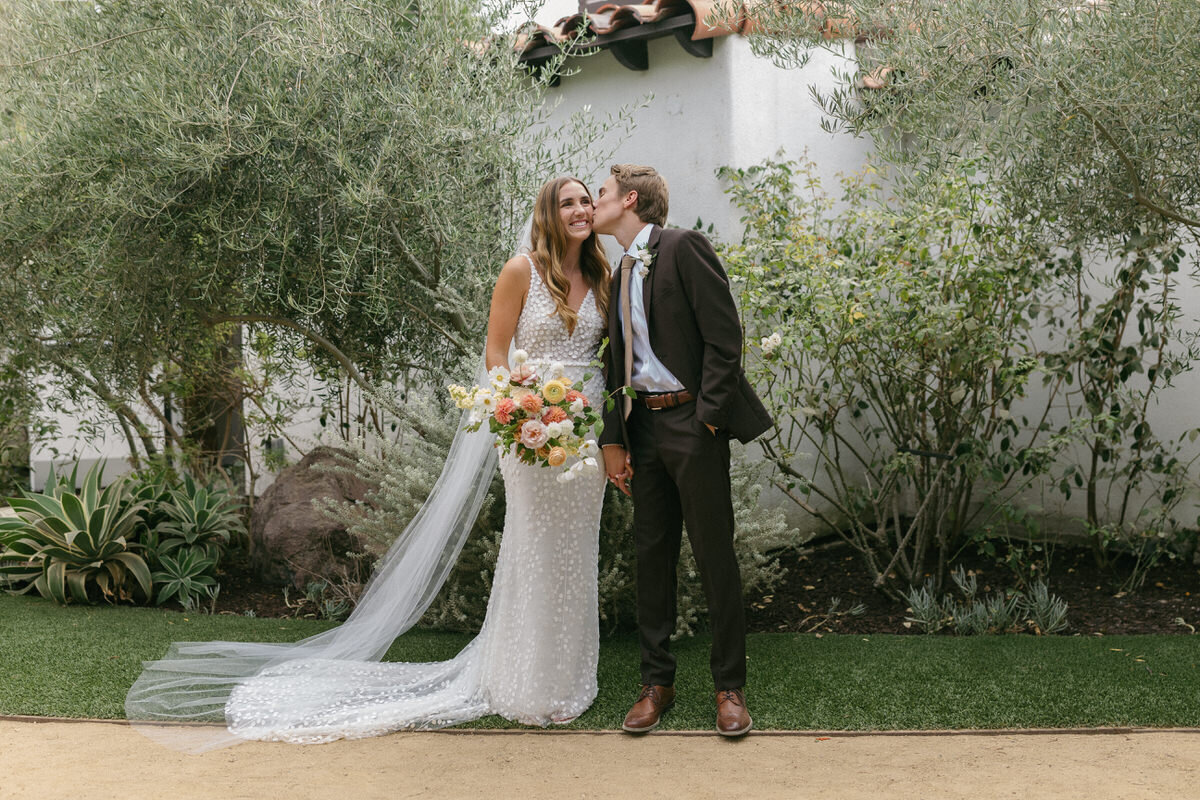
(294, 543)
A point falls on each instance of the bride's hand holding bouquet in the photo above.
(542, 421)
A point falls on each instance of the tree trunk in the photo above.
(213, 421)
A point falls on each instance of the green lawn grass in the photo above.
(79, 662)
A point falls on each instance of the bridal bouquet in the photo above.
(546, 422)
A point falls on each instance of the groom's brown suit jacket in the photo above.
(694, 331)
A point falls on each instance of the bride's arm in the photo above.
(508, 298)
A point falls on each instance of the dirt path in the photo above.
(53, 759)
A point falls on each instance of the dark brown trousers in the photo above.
(681, 477)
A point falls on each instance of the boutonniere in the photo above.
(646, 256)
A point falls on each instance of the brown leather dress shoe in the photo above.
(652, 703)
(732, 717)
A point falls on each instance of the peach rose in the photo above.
(524, 374)
(557, 457)
(504, 410)
(533, 434)
(532, 403)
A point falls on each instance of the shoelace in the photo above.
(732, 695)
(649, 691)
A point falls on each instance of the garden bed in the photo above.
(801, 602)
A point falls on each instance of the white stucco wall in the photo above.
(733, 109)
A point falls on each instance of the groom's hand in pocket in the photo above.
(617, 466)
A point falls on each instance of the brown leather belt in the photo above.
(658, 402)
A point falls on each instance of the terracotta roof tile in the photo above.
(614, 17)
(621, 22)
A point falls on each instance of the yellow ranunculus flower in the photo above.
(554, 391)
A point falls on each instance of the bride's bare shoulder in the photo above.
(517, 266)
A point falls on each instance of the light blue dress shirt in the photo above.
(649, 374)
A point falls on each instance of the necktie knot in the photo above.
(627, 261)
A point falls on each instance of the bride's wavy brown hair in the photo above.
(549, 241)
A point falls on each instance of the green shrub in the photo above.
(201, 518)
(891, 343)
(896, 343)
(186, 576)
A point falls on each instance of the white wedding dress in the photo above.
(534, 660)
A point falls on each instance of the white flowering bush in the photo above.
(890, 343)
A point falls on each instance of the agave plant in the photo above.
(198, 518)
(185, 576)
(62, 543)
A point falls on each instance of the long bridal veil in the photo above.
(193, 682)
(315, 685)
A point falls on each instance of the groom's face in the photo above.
(608, 206)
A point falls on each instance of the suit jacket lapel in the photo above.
(652, 246)
(615, 339)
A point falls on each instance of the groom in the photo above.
(675, 338)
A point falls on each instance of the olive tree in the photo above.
(1085, 112)
(342, 178)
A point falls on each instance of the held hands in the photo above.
(618, 466)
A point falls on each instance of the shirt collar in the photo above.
(641, 240)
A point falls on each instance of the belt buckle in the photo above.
(665, 405)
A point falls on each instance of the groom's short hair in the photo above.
(651, 188)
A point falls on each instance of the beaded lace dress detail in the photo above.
(534, 660)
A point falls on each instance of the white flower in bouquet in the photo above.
(519, 357)
(589, 449)
(463, 398)
(567, 476)
(577, 405)
(533, 434)
(485, 401)
(499, 376)
(556, 371)
(589, 465)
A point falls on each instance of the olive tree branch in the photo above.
(81, 49)
(1139, 196)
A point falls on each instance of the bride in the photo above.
(534, 660)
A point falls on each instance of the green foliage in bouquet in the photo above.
(75, 547)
